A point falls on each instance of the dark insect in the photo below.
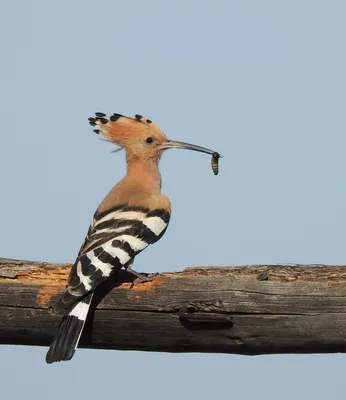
(215, 163)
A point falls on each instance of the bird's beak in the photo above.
(174, 144)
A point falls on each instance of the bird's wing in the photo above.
(114, 238)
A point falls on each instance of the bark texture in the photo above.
(256, 309)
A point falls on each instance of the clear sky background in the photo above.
(263, 82)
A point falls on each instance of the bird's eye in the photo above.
(149, 140)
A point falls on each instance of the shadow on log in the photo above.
(258, 309)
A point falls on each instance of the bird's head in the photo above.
(139, 136)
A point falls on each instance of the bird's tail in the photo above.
(66, 340)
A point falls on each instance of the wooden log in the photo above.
(258, 309)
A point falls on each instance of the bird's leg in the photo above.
(140, 278)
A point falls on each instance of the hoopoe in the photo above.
(133, 215)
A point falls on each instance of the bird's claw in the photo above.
(143, 278)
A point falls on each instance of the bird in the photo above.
(132, 216)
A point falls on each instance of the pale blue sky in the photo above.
(263, 82)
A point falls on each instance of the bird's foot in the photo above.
(140, 278)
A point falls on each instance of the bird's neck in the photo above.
(144, 173)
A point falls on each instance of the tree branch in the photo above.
(257, 309)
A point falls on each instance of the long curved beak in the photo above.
(175, 144)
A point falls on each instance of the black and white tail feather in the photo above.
(70, 330)
(114, 238)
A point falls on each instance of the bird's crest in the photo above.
(122, 130)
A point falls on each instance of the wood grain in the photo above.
(258, 309)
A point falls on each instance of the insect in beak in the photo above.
(174, 144)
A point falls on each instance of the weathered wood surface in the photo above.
(255, 309)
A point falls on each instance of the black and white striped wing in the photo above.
(114, 239)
